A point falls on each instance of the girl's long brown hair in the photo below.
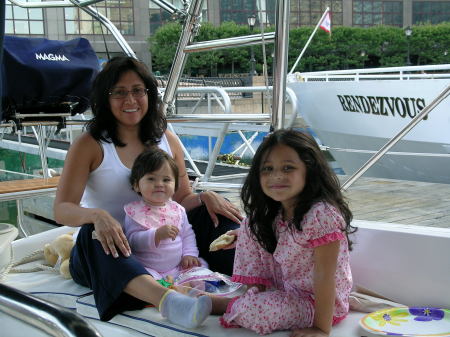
(321, 184)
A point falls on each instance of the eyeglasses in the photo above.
(121, 93)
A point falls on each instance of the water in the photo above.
(23, 163)
(199, 147)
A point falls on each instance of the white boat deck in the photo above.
(392, 276)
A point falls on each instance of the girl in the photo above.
(292, 249)
(156, 227)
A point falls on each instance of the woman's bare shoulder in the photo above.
(85, 147)
(86, 141)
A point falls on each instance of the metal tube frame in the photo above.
(231, 42)
(166, 6)
(85, 6)
(51, 318)
(190, 29)
(52, 4)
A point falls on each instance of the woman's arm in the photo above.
(83, 157)
(184, 194)
(83, 154)
(215, 203)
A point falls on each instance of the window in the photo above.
(430, 12)
(120, 12)
(368, 13)
(309, 12)
(159, 16)
(239, 11)
(23, 21)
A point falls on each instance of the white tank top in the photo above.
(108, 186)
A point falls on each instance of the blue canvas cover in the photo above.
(2, 34)
(39, 74)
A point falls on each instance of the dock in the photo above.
(400, 201)
(395, 201)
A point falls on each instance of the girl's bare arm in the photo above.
(325, 262)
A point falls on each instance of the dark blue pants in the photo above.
(107, 276)
(205, 232)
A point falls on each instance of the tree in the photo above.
(234, 59)
(163, 45)
(346, 48)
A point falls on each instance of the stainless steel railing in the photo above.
(51, 318)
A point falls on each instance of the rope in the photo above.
(12, 267)
(38, 267)
(8, 267)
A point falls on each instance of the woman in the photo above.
(94, 186)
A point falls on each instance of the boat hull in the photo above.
(362, 116)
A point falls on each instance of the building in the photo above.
(130, 17)
(138, 19)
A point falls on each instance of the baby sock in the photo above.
(195, 292)
(183, 310)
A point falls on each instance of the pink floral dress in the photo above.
(288, 301)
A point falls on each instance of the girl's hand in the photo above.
(232, 232)
(308, 332)
(261, 287)
(110, 234)
(216, 204)
(166, 232)
(188, 262)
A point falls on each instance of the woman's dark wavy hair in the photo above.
(321, 184)
(149, 161)
(104, 126)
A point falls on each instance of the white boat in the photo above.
(356, 112)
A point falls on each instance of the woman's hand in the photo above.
(188, 262)
(110, 234)
(308, 332)
(216, 204)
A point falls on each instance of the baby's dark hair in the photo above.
(149, 161)
(321, 184)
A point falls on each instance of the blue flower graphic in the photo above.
(427, 314)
